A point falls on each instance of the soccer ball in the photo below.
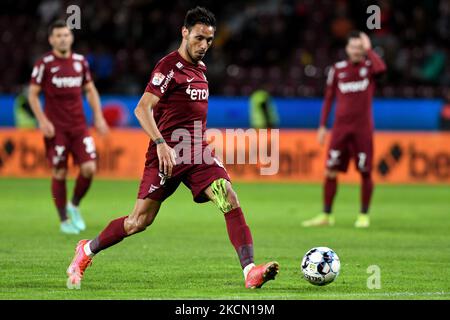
(320, 266)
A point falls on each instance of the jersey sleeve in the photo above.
(377, 64)
(162, 80)
(330, 91)
(38, 73)
(87, 77)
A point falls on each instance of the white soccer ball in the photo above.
(320, 266)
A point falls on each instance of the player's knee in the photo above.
(59, 174)
(88, 169)
(331, 174)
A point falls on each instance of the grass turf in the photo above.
(186, 253)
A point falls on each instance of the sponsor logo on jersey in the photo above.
(197, 94)
(158, 78)
(342, 75)
(77, 66)
(166, 83)
(190, 80)
(67, 82)
(353, 86)
(179, 65)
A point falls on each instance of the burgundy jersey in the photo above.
(183, 91)
(62, 81)
(353, 86)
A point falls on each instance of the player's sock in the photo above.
(240, 236)
(59, 195)
(111, 235)
(87, 249)
(366, 191)
(81, 187)
(247, 269)
(329, 191)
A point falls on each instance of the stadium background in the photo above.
(284, 47)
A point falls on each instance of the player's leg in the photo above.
(59, 194)
(143, 215)
(337, 160)
(82, 184)
(84, 154)
(364, 145)
(152, 192)
(329, 190)
(222, 194)
(56, 153)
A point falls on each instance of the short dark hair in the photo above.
(56, 25)
(353, 35)
(199, 15)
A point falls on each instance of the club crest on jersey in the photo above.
(363, 72)
(158, 78)
(77, 66)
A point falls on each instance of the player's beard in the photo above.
(193, 58)
(62, 51)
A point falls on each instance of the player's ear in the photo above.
(184, 32)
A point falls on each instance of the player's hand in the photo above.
(321, 134)
(47, 128)
(367, 45)
(166, 157)
(101, 126)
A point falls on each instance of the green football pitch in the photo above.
(186, 253)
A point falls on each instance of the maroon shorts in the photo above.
(347, 145)
(78, 143)
(197, 177)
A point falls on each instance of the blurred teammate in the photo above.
(63, 76)
(352, 82)
(176, 97)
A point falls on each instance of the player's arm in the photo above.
(378, 65)
(144, 114)
(93, 99)
(45, 125)
(326, 106)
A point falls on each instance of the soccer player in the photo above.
(63, 76)
(352, 82)
(175, 98)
